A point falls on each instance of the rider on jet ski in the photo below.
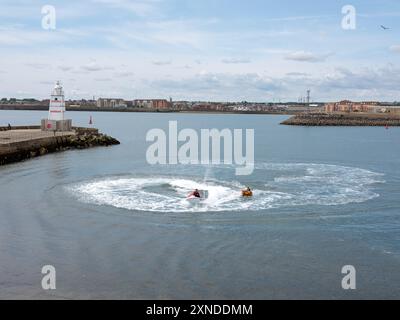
(195, 193)
(247, 192)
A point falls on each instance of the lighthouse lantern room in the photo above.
(56, 119)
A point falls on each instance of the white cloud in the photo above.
(66, 68)
(303, 56)
(47, 83)
(161, 62)
(297, 74)
(218, 86)
(339, 83)
(38, 66)
(93, 66)
(124, 74)
(103, 79)
(235, 61)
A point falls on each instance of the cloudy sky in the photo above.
(221, 50)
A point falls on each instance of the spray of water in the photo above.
(292, 185)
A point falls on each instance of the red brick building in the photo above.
(152, 103)
(349, 106)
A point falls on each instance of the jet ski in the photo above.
(247, 193)
(203, 196)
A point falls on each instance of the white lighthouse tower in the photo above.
(56, 119)
(57, 103)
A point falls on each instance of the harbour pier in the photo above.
(26, 142)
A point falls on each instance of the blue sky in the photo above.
(222, 50)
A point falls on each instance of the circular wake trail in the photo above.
(287, 185)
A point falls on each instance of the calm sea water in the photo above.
(115, 227)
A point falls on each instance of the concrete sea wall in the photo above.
(80, 138)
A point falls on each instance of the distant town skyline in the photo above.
(201, 50)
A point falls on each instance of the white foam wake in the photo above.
(286, 185)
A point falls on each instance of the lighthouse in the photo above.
(57, 103)
(56, 119)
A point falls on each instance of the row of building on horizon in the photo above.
(347, 106)
(344, 106)
(164, 104)
(138, 103)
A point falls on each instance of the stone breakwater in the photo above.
(343, 119)
(22, 143)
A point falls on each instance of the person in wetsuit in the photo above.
(196, 194)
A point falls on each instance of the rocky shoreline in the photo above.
(343, 119)
(82, 138)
